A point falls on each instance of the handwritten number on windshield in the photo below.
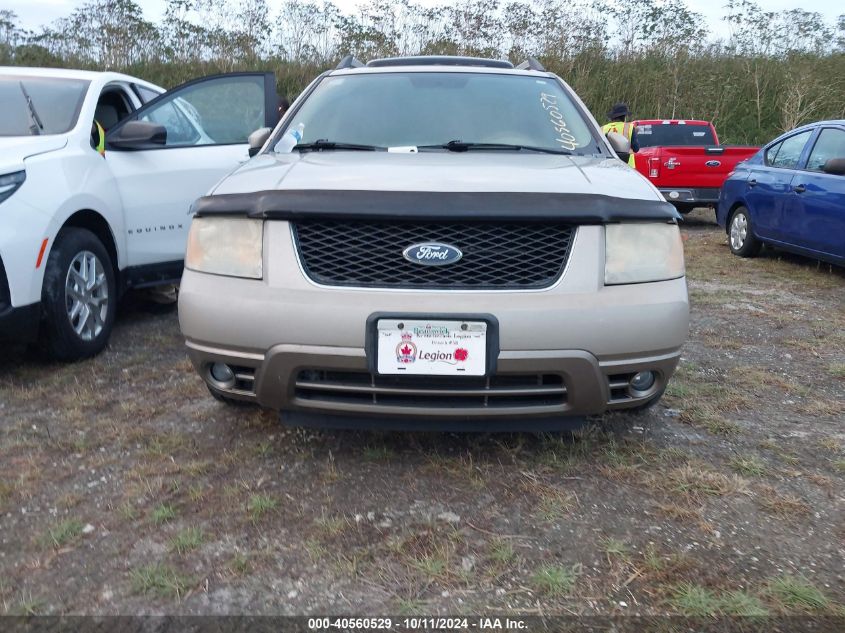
(565, 137)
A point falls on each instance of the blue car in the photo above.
(791, 195)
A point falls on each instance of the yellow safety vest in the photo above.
(101, 139)
(626, 129)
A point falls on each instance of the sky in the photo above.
(34, 13)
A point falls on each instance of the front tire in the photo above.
(79, 296)
(741, 236)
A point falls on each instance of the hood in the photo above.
(439, 172)
(15, 149)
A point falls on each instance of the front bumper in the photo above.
(528, 384)
(16, 323)
(568, 350)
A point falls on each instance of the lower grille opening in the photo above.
(244, 379)
(618, 384)
(499, 391)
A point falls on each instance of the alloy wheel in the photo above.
(86, 295)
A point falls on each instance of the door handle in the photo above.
(752, 183)
(799, 189)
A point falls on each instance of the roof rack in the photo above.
(349, 62)
(531, 64)
(439, 60)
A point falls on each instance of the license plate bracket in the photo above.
(428, 353)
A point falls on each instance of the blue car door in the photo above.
(817, 214)
(769, 186)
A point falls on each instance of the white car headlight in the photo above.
(641, 252)
(226, 246)
(10, 183)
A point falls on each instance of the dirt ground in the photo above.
(125, 488)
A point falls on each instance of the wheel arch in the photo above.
(99, 226)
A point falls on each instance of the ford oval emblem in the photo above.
(712, 163)
(432, 254)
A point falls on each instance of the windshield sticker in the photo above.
(644, 130)
(698, 133)
(565, 137)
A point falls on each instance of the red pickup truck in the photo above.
(684, 160)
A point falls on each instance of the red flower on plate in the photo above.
(461, 354)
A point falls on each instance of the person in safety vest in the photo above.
(618, 123)
(98, 138)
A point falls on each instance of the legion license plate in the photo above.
(431, 348)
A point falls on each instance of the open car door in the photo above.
(173, 150)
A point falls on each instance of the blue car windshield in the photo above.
(39, 105)
(400, 109)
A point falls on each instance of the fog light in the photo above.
(643, 381)
(222, 373)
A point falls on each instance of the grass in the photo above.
(693, 600)
(837, 370)
(748, 466)
(783, 504)
(259, 505)
(331, 525)
(432, 565)
(614, 549)
(742, 603)
(556, 580)
(377, 453)
(239, 565)
(696, 481)
(186, 540)
(163, 514)
(502, 552)
(159, 580)
(795, 593)
(64, 532)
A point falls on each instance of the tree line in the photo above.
(772, 71)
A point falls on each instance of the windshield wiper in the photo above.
(324, 144)
(460, 146)
(37, 125)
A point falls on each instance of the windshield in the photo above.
(673, 135)
(52, 109)
(414, 109)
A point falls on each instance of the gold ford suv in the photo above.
(430, 243)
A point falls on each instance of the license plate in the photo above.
(431, 348)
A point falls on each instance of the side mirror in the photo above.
(620, 145)
(135, 135)
(834, 166)
(257, 139)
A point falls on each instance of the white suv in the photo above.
(83, 218)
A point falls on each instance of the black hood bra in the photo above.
(325, 204)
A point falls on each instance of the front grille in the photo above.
(363, 388)
(5, 296)
(496, 255)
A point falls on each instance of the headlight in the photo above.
(10, 183)
(226, 246)
(640, 252)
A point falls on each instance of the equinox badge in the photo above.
(432, 254)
